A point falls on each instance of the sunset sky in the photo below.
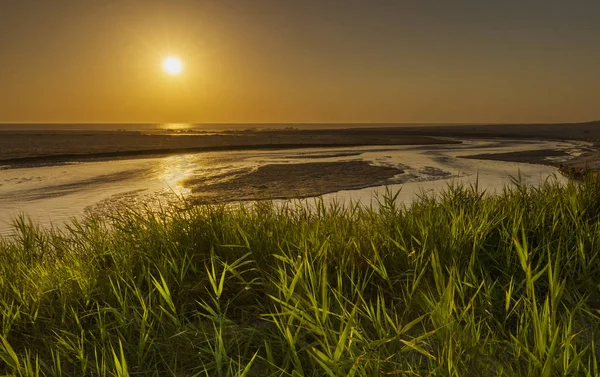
(300, 61)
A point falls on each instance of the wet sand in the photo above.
(324, 155)
(576, 167)
(531, 157)
(282, 181)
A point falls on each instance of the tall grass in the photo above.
(462, 284)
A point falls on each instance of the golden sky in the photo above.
(300, 61)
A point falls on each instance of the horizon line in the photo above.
(298, 123)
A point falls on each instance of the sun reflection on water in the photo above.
(176, 126)
(174, 170)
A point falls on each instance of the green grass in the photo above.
(465, 284)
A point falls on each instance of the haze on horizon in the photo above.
(355, 61)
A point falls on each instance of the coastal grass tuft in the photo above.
(459, 284)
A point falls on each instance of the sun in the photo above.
(172, 65)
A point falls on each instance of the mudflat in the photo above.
(573, 167)
(539, 156)
(280, 181)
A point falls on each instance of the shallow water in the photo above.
(54, 194)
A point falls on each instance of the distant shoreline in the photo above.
(56, 159)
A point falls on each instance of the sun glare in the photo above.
(172, 65)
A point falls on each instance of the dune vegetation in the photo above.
(462, 284)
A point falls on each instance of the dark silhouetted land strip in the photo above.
(532, 157)
(79, 148)
(560, 131)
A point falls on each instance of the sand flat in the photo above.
(280, 181)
